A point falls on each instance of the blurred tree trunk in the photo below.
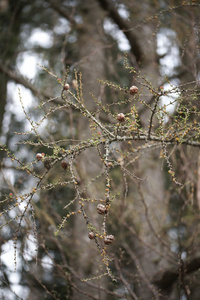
(91, 63)
(150, 203)
(150, 200)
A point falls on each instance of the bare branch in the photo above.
(21, 80)
(123, 25)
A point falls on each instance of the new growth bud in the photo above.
(162, 90)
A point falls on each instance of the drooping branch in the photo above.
(123, 25)
(21, 80)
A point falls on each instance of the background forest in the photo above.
(100, 163)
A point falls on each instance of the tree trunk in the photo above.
(91, 64)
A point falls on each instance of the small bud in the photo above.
(91, 235)
(39, 156)
(109, 164)
(162, 90)
(64, 164)
(109, 239)
(66, 87)
(121, 117)
(101, 209)
(133, 90)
